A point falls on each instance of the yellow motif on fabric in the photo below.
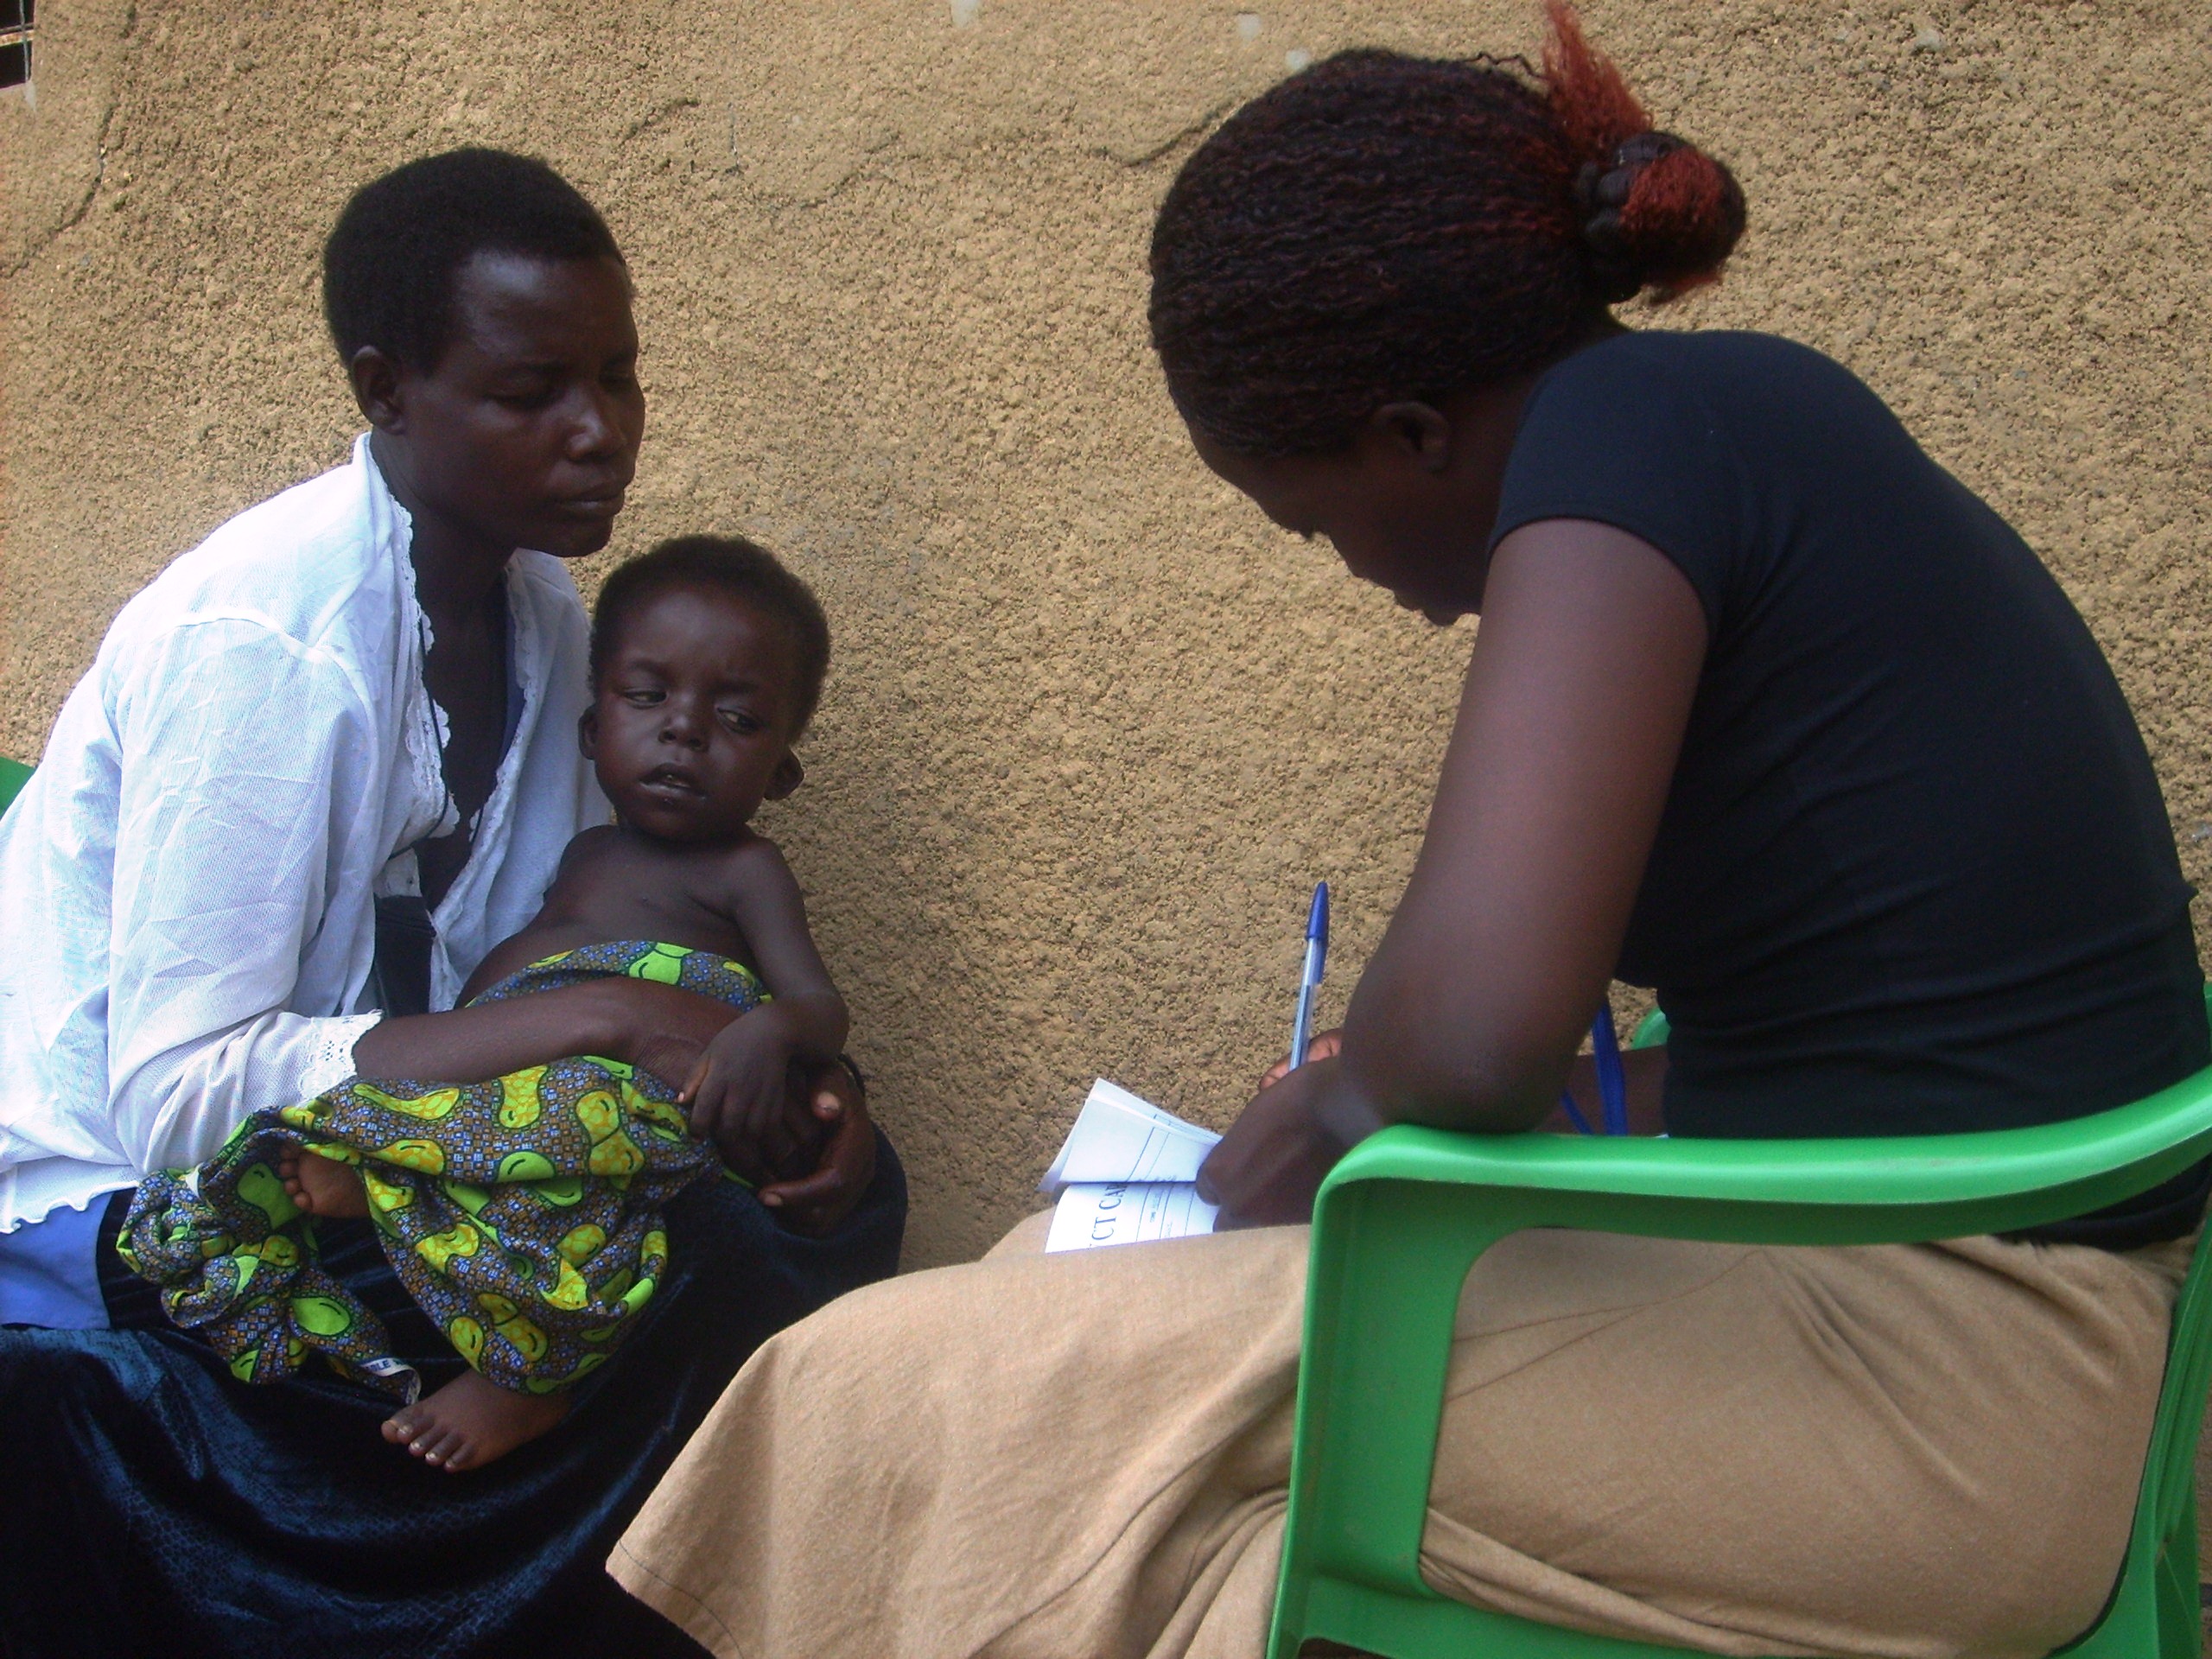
(579, 1245)
(438, 1104)
(518, 1166)
(426, 1156)
(468, 1339)
(521, 1098)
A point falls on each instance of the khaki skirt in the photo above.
(1922, 1451)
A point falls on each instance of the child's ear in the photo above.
(788, 776)
(587, 734)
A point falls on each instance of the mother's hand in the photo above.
(662, 1030)
(814, 1204)
(669, 1032)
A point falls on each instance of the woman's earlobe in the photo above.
(1421, 432)
(789, 776)
(375, 380)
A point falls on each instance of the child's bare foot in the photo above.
(322, 1186)
(470, 1421)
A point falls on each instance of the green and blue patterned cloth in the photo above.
(524, 1214)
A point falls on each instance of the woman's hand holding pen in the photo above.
(1324, 1047)
(1268, 1166)
(1266, 1170)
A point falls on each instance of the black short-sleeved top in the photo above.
(1915, 874)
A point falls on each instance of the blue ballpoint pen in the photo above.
(1317, 958)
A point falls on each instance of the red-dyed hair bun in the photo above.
(1658, 212)
(1380, 226)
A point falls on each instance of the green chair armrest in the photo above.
(1402, 1219)
(1860, 1191)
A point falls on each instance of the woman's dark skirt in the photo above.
(151, 1503)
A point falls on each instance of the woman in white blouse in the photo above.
(322, 764)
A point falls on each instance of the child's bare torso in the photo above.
(614, 884)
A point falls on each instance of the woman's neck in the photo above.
(457, 569)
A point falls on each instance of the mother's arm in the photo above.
(638, 1022)
(663, 1031)
(1470, 1013)
(656, 1027)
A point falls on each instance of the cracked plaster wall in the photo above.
(1094, 727)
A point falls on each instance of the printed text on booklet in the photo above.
(1125, 1175)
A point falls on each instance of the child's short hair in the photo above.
(389, 267)
(729, 564)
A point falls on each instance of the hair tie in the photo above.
(1600, 192)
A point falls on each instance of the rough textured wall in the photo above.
(1094, 727)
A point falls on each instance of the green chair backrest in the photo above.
(14, 774)
(1402, 1219)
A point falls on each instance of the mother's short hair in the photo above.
(389, 267)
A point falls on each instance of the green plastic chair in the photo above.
(1403, 1217)
(14, 774)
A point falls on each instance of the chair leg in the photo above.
(2181, 1601)
(2181, 1611)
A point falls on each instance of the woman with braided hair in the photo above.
(1768, 712)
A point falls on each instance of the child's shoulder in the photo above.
(753, 855)
(590, 843)
(750, 869)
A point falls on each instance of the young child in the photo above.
(524, 1214)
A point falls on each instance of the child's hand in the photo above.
(738, 1096)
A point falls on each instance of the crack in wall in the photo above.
(1175, 139)
(74, 216)
(645, 124)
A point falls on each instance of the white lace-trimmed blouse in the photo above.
(188, 881)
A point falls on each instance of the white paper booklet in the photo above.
(1125, 1172)
(1093, 1213)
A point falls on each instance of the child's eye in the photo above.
(739, 720)
(644, 697)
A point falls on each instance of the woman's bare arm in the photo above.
(1471, 1011)
(655, 1027)
(1472, 1007)
(1644, 1070)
